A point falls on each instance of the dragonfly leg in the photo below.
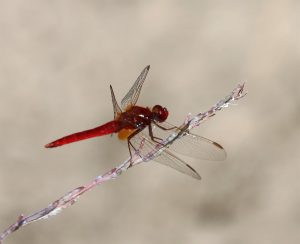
(154, 138)
(131, 145)
(163, 128)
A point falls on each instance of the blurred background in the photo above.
(57, 61)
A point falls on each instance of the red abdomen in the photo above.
(108, 128)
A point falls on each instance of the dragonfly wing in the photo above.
(165, 157)
(132, 96)
(192, 145)
(169, 159)
(199, 147)
(117, 109)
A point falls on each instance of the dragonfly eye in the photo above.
(160, 114)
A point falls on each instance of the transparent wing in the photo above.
(132, 96)
(199, 147)
(191, 145)
(117, 109)
(165, 157)
(169, 159)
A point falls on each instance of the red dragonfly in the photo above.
(130, 122)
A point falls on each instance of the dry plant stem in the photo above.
(71, 197)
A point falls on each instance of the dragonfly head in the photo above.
(160, 114)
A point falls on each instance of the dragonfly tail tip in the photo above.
(50, 145)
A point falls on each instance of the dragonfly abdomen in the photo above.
(108, 128)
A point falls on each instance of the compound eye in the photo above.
(157, 108)
(160, 113)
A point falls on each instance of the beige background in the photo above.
(57, 60)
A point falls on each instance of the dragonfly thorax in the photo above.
(136, 117)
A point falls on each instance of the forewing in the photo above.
(132, 96)
(192, 145)
(199, 147)
(165, 157)
(117, 109)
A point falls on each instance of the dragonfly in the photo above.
(138, 124)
